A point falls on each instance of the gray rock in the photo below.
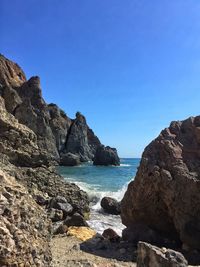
(110, 205)
(55, 215)
(61, 203)
(152, 256)
(106, 156)
(69, 159)
(75, 220)
(77, 140)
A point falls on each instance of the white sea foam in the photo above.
(124, 165)
(98, 219)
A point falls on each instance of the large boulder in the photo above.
(152, 256)
(165, 194)
(110, 205)
(106, 156)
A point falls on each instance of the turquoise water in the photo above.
(102, 178)
(100, 181)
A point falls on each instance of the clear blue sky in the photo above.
(130, 66)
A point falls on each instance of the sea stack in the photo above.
(106, 156)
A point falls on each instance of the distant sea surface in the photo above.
(100, 181)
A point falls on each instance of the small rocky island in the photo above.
(41, 215)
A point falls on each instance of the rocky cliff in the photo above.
(34, 137)
(56, 133)
(165, 194)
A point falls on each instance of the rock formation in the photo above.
(110, 205)
(56, 133)
(11, 74)
(106, 156)
(77, 139)
(152, 256)
(165, 194)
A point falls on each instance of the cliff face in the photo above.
(56, 133)
(31, 138)
(165, 194)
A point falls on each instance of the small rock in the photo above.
(61, 203)
(110, 205)
(62, 229)
(55, 215)
(75, 220)
(111, 235)
(40, 200)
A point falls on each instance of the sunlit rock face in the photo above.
(165, 194)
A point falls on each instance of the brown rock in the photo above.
(11, 74)
(165, 194)
(62, 229)
(111, 235)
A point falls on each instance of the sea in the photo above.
(101, 181)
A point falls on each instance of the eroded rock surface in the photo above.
(24, 227)
(165, 194)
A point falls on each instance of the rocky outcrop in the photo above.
(110, 205)
(60, 125)
(24, 227)
(56, 133)
(77, 139)
(33, 112)
(46, 180)
(18, 144)
(152, 256)
(165, 194)
(11, 74)
(106, 156)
